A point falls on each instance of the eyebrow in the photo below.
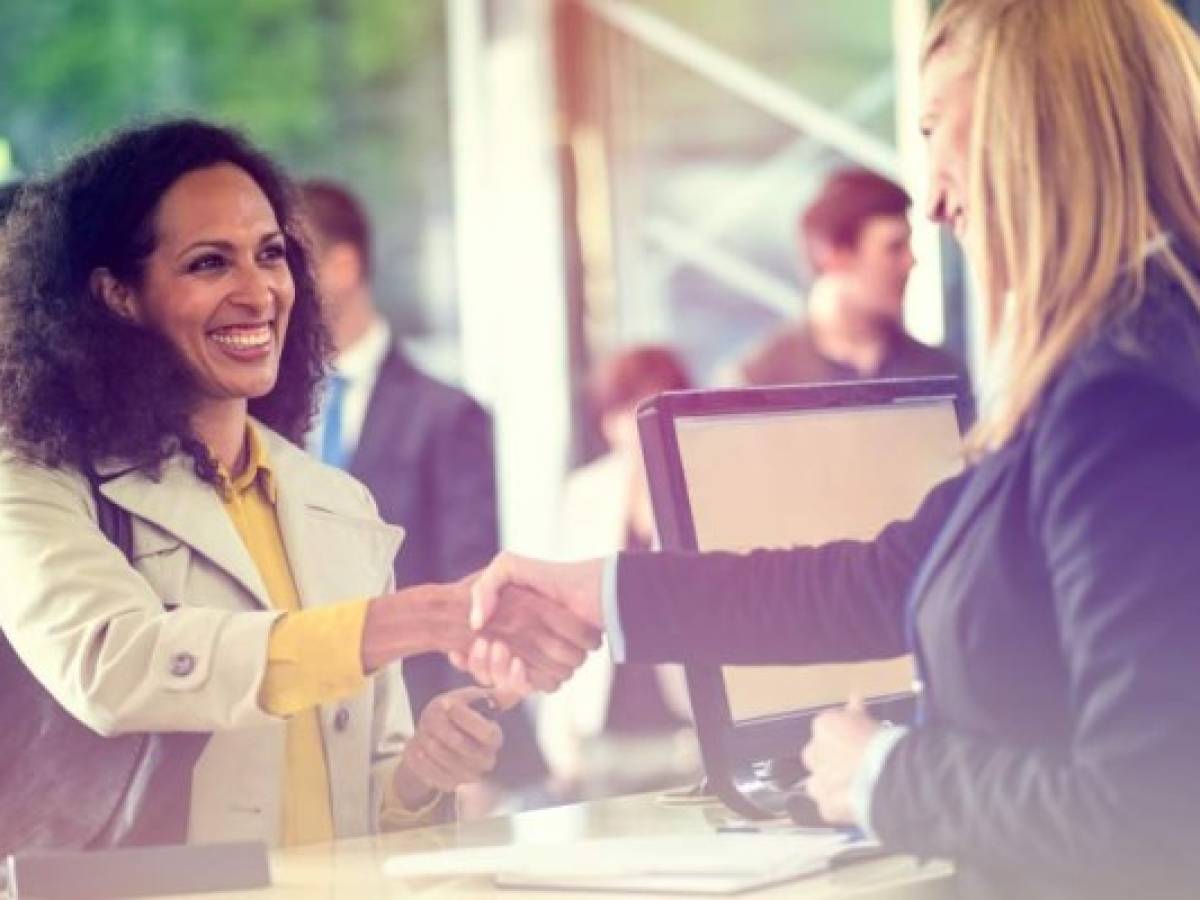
(225, 246)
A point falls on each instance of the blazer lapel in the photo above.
(985, 481)
(187, 508)
(384, 420)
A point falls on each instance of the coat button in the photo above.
(182, 665)
(341, 719)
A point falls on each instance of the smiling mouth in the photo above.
(245, 338)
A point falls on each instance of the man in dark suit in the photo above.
(423, 448)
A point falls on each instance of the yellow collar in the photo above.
(258, 466)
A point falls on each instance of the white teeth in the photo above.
(243, 338)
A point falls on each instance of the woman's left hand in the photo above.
(833, 756)
(453, 744)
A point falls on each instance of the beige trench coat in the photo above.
(178, 641)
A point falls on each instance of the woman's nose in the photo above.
(256, 289)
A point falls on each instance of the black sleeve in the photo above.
(464, 469)
(842, 601)
(1116, 507)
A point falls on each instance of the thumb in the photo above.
(485, 593)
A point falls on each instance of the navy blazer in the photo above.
(1055, 612)
(426, 455)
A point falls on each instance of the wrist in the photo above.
(410, 789)
(423, 619)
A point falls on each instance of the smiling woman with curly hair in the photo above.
(79, 383)
(160, 346)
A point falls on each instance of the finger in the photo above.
(483, 731)
(486, 589)
(499, 662)
(558, 650)
(825, 723)
(479, 661)
(458, 753)
(540, 648)
(483, 601)
(458, 659)
(855, 705)
(538, 655)
(428, 769)
(515, 688)
(545, 680)
(819, 793)
(811, 756)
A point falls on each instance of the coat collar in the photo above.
(190, 510)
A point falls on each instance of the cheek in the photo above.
(286, 291)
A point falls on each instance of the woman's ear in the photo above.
(117, 295)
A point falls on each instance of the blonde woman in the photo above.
(1050, 593)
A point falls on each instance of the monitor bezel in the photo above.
(733, 751)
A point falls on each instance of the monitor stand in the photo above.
(774, 788)
(763, 790)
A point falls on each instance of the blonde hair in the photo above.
(1084, 145)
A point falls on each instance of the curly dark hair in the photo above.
(79, 383)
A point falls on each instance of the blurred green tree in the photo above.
(353, 89)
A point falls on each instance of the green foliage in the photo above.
(292, 72)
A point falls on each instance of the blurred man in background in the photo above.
(857, 238)
(422, 447)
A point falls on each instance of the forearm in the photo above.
(842, 601)
(768, 607)
(428, 618)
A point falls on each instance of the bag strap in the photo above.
(113, 520)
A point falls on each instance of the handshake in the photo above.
(518, 625)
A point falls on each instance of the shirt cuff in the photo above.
(612, 609)
(869, 770)
(314, 656)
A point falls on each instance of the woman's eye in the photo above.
(272, 253)
(209, 262)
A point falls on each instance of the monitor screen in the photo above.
(788, 478)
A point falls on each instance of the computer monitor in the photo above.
(779, 467)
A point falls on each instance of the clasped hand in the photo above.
(534, 622)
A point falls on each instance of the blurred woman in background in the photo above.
(618, 729)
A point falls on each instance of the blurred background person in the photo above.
(422, 447)
(856, 236)
(615, 729)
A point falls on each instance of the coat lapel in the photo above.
(335, 551)
(182, 505)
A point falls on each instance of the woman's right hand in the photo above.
(549, 639)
